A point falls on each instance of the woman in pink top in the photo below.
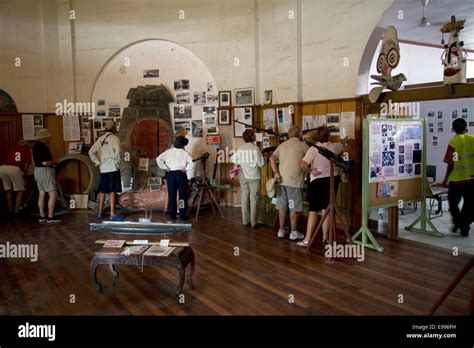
(318, 167)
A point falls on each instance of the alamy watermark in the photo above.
(228, 155)
(346, 251)
(20, 251)
(67, 108)
(391, 109)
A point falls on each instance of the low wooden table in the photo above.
(179, 258)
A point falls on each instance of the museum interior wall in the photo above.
(77, 50)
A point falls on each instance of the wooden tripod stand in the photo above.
(209, 190)
(330, 213)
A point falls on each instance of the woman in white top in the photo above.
(318, 167)
(250, 160)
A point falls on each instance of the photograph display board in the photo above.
(395, 150)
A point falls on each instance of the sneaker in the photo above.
(282, 233)
(101, 216)
(52, 221)
(294, 235)
(116, 218)
(42, 219)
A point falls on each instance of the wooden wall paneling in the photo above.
(307, 109)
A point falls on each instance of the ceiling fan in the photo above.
(424, 22)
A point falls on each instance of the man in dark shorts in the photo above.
(44, 175)
(105, 153)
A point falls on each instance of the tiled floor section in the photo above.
(442, 223)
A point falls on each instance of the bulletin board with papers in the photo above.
(395, 153)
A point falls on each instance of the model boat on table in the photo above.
(133, 227)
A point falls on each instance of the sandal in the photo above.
(303, 243)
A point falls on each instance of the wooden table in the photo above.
(179, 259)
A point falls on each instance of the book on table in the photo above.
(158, 250)
(135, 250)
(114, 243)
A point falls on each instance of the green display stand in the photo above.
(364, 236)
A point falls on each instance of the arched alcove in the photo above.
(7, 104)
(124, 70)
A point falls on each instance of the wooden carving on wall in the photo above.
(388, 59)
(454, 54)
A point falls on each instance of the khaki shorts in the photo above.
(290, 198)
(12, 178)
(45, 179)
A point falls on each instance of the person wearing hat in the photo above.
(15, 165)
(105, 153)
(250, 160)
(44, 175)
(460, 177)
(179, 167)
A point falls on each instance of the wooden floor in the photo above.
(262, 280)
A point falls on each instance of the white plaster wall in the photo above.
(297, 58)
(333, 30)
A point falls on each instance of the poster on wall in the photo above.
(71, 128)
(197, 130)
(182, 111)
(395, 151)
(269, 119)
(74, 147)
(199, 98)
(114, 110)
(152, 73)
(334, 123)
(454, 114)
(465, 113)
(181, 85)
(182, 125)
(86, 131)
(183, 98)
(211, 88)
(31, 124)
(348, 125)
(310, 122)
(243, 115)
(284, 120)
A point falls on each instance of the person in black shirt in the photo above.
(44, 175)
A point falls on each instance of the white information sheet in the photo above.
(71, 128)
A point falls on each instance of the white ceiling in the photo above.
(437, 13)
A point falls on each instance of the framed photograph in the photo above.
(155, 181)
(143, 164)
(267, 97)
(244, 96)
(243, 119)
(225, 99)
(224, 116)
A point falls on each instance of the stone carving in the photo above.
(146, 120)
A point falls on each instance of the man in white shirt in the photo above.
(250, 160)
(105, 153)
(179, 167)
